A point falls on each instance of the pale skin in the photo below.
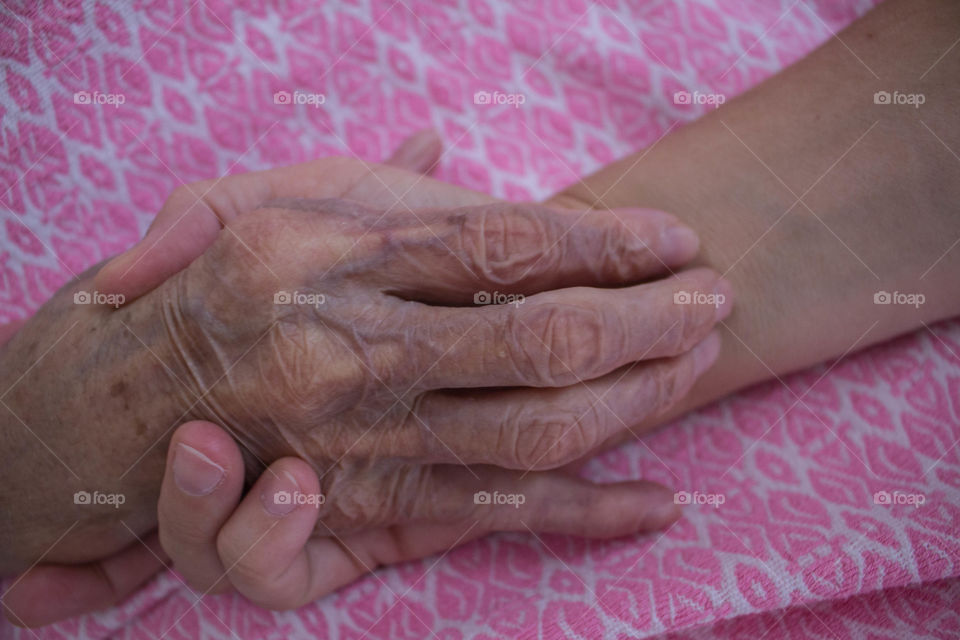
(885, 195)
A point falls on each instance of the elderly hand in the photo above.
(367, 381)
(333, 332)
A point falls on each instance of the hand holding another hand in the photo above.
(319, 329)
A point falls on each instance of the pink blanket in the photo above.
(839, 486)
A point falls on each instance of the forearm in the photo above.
(83, 402)
(812, 198)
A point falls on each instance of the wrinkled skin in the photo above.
(367, 386)
(356, 384)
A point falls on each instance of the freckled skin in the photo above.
(348, 384)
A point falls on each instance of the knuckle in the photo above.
(186, 196)
(501, 242)
(555, 344)
(678, 324)
(412, 491)
(692, 311)
(290, 362)
(178, 533)
(666, 390)
(684, 377)
(670, 382)
(549, 442)
(228, 548)
(243, 567)
(428, 495)
(685, 323)
(376, 497)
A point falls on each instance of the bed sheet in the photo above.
(820, 473)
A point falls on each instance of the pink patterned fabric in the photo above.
(802, 546)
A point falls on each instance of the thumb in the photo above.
(184, 228)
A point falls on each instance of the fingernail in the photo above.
(705, 353)
(678, 244)
(194, 473)
(279, 496)
(723, 292)
(663, 514)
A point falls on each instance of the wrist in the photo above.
(85, 405)
(812, 200)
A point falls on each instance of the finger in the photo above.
(541, 501)
(48, 593)
(455, 257)
(686, 404)
(545, 502)
(560, 503)
(419, 153)
(551, 502)
(617, 439)
(262, 545)
(337, 561)
(201, 488)
(547, 428)
(562, 337)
